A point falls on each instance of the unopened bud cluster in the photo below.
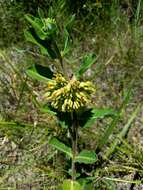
(68, 96)
(49, 25)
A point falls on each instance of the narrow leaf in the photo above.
(87, 62)
(66, 42)
(61, 146)
(100, 113)
(44, 71)
(47, 110)
(86, 156)
(70, 22)
(40, 13)
(29, 37)
(37, 25)
(32, 72)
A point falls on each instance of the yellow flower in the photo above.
(68, 96)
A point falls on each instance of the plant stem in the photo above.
(60, 58)
(74, 136)
(73, 161)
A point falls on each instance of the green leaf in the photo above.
(70, 173)
(37, 25)
(64, 117)
(40, 13)
(98, 114)
(87, 184)
(38, 36)
(61, 146)
(87, 62)
(70, 22)
(90, 122)
(71, 185)
(29, 37)
(101, 113)
(47, 110)
(44, 71)
(32, 72)
(63, 124)
(86, 156)
(47, 46)
(66, 42)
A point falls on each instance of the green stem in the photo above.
(73, 161)
(59, 57)
(74, 137)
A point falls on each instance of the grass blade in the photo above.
(122, 133)
(114, 122)
(123, 181)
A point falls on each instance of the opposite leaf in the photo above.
(38, 72)
(47, 110)
(87, 157)
(61, 146)
(98, 114)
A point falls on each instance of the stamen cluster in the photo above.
(68, 96)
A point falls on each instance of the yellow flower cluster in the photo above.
(68, 96)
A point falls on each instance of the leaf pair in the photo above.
(98, 113)
(85, 156)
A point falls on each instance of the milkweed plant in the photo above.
(66, 93)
